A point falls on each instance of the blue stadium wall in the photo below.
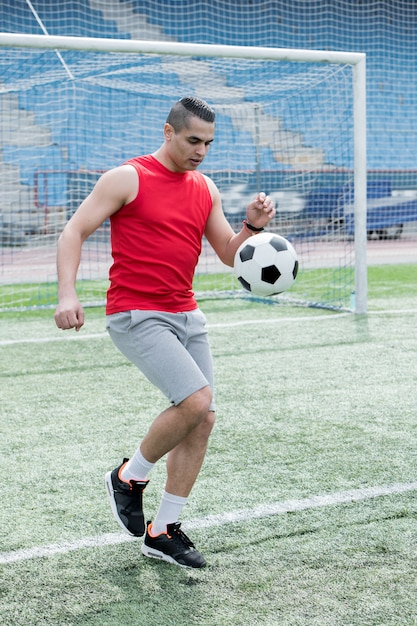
(386, 30)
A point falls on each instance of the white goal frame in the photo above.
(355, 59)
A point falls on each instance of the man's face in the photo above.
(187, 148)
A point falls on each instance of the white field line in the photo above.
(73, 336)
(277, 320)
(66, 337)
(211, 521)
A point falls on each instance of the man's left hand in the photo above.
(260, 211)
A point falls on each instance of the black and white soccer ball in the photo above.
(266, 264)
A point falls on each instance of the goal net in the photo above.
(288, 122)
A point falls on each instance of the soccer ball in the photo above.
(266, 264)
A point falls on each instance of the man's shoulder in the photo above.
(143, 159)
(211, 185)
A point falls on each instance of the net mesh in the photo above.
(385, 29)
(66, 117)
(280, 127)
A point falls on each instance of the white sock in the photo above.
(137, 468)
(169, 512)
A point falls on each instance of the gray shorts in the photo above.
(171, 349)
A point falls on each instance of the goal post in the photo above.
(290, 122)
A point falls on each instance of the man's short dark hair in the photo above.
(185, 108)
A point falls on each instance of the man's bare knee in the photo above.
(197, 405)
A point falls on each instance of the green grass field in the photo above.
(330, 286)
(305, 509)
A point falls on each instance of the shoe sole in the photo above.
(161, 556)
(110, 493)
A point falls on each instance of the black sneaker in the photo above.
(173, 546)
(126, 501)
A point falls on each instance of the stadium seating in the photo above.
(350, 30)
(72, 17)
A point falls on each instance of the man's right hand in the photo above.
(69, 314)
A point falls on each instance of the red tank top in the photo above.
(156, 240)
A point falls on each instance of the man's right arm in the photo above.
(114, 189)
(69, 312)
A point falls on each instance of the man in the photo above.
(160, 207)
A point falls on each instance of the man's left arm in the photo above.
(220, 234)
